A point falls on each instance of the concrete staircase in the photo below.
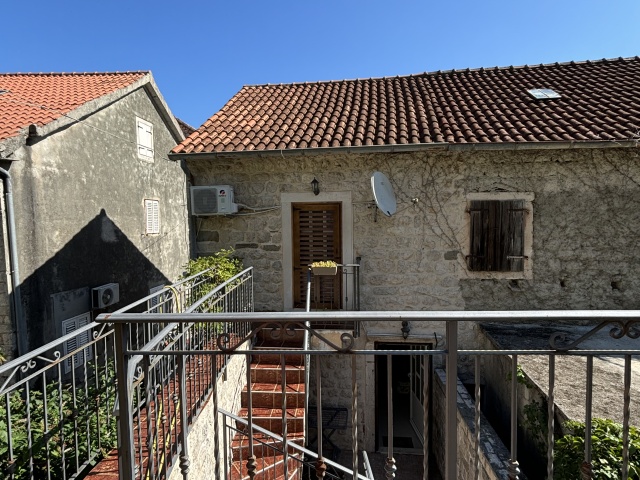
(267, 397)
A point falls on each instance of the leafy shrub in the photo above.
(88, 425)
(606, 451)
(222, 264)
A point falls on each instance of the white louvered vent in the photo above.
(152, 214)
(73, 344)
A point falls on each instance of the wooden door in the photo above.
(316, 237)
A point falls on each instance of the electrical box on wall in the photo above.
(105, 295)
(212, 200)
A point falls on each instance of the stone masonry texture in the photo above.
(585, 213)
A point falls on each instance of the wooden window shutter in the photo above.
(145, 138)
(514, 240)
(497, 235)
(316, 237)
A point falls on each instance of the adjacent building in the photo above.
(94, 212)
(511, 188)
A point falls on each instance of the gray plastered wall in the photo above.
(79, 204)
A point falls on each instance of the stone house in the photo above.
(517, 188)
(94, 213)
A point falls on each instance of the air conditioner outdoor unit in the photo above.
(212, 200)
(105, 295)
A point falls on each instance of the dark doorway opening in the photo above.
(408, 376)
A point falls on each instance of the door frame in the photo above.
(286, 199)
(380, 416)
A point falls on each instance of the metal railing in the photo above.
(275, 452)
(476, 458)
(348, 275)
(57, 402)
(165, 393)
(56, 406)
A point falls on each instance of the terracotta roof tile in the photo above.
(39, 98)
(599, 101)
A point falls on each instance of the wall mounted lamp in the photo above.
(315, 186)
(406, 328)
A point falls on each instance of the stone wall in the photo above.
(336, 382)
(494, 456)
(202, 433)
(585, 205)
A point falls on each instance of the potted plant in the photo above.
(326, 267)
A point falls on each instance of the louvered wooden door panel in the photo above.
(316, 237)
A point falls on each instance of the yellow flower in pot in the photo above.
(325, 267)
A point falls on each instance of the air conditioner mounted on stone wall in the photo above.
(212, 200)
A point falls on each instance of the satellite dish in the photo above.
(383, 193)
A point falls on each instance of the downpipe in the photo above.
(16, 304)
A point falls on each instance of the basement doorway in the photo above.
(409, 374)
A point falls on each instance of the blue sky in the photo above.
(202, 52)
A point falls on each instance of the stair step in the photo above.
(264, 446)
(279, 338)
(272, 373)
(265, 356)
(269, 395)
(267, 469)
(271, 419)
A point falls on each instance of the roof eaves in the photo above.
(406, 148)
(88, 108)
(11, 144)
(159, 101)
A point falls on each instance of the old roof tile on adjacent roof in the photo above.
(39, 98)
(599, 102)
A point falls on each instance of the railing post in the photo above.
(126, 462)
(514, 466)
(426, 418)
(354, 413)
(216, 423)
(477, 418)
(283, 384)
(451, 441)
(586, 469)
(321, 466)
(390, 465)
(251, 460)
(184, 407)
(551, 415)
(151, 431)
(626, 414)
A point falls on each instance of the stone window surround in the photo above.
(286, 199)
(527, 273)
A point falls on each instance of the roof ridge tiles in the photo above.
(18, 74)
(479, 105)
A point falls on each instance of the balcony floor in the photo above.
(409, 467)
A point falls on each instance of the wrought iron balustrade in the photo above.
(618, 324)
(57, 402)
(278, 452)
